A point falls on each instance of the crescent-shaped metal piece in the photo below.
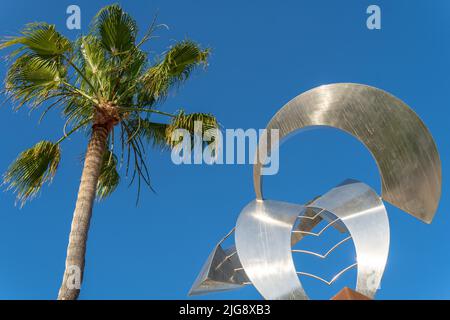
(402, 146)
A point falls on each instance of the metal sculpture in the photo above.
(266, 230)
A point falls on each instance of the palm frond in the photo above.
(39, 72)
(93, 63)
(176, 66)
(109, 177)
(113, 78)
(33, 79)
(127, 74)
(187, 122)
(115, 28)
(77, 111)
(32, 169)
(41, 39)
(153, 132)
(133, 149)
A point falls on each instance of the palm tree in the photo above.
(103, 84)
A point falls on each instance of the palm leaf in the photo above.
(78, 112)
(126, 75)
(152, 132)
(40, 69)
(109, 177)
(187, 122)
(115, 28)
(93, 63)
(41, 39)
(32, 169)
(175, 68)
(33, 79)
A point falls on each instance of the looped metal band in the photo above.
(403, 148)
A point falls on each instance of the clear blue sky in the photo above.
(264, 54)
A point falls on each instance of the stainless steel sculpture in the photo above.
(266, 230)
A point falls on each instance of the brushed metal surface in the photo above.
(266, 230)
(222, 271)
(401, 145)
(364, 215)
(263, 239)
(263, 243)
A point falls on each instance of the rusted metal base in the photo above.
(349, 294)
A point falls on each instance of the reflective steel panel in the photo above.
(265, 234)
(402, 146)
(263, 243)
(222, 271)
(363, 213)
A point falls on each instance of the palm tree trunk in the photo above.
(73, 274)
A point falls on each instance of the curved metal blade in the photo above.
(363, 213)
(402, 146)
(219, 273)
(263, 243)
